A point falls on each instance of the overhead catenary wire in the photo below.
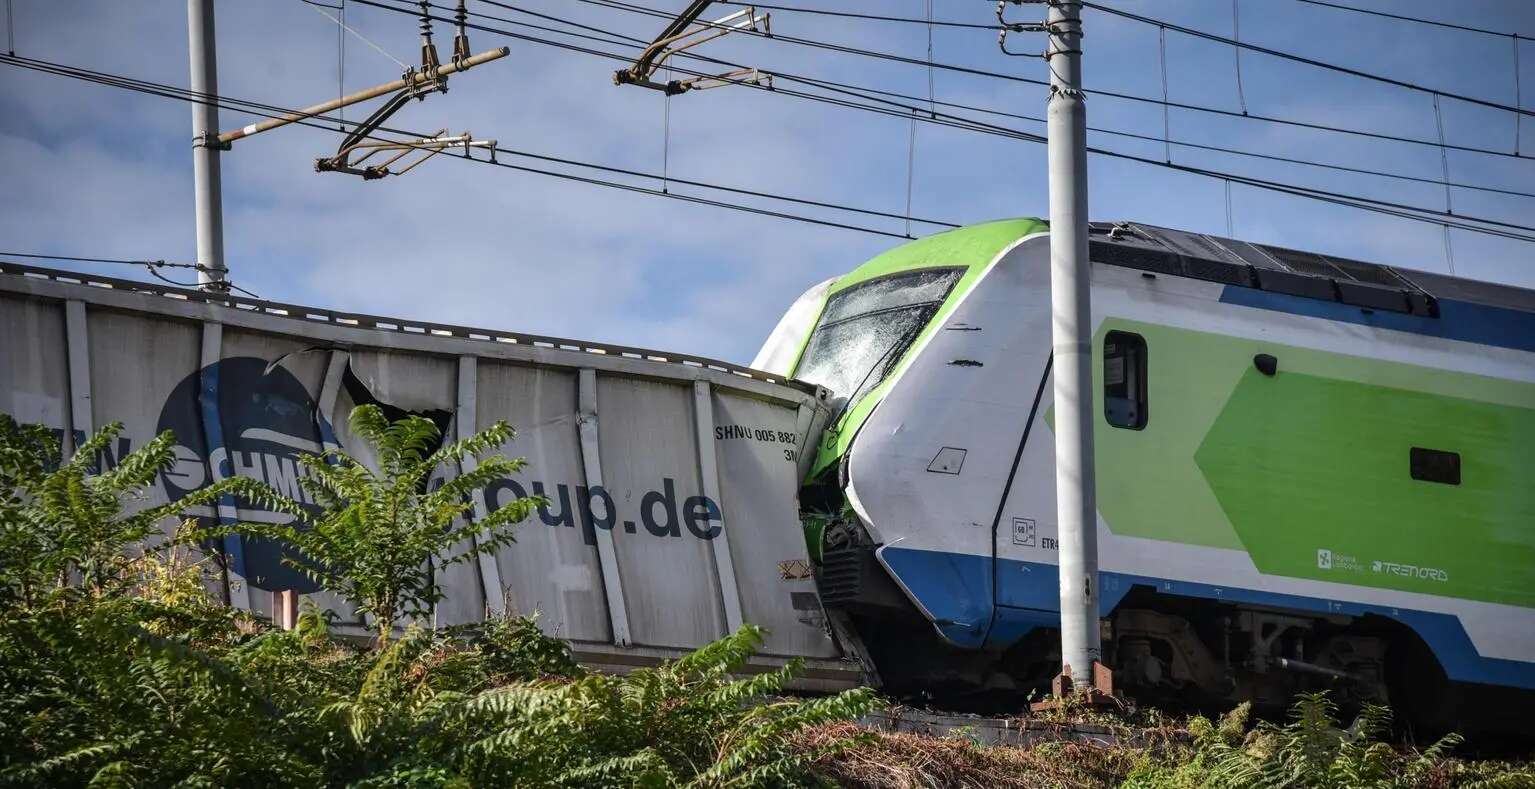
(267, 110)
(341, 63)
(1514, 39)
(636, 9)
(911, 150)
(1418, 20)
(1197, 146)
(890, 56)
(1383, 207)
(1444, 158)
(1167, 124)
(856, 15)
(1449, 205)
(225, 101)
(1236, 33)
(1313, 62)
(1034, 119)
(623, 40)
(342, 25)
(1230, 222)
(1390, 208)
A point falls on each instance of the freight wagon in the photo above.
(672, 479)
(1311, 472)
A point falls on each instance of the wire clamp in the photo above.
(209, 140)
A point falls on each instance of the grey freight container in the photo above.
(672, 479)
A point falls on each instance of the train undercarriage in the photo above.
(1177, 654)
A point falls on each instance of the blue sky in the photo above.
(94, 171)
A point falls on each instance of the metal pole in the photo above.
(205, 147)
(1072, 330)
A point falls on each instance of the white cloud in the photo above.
(95, 171)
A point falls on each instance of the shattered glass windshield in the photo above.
(865, 330)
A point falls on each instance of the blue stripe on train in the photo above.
(955, 589)
(1458, 320)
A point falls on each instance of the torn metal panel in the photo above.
(274, 381)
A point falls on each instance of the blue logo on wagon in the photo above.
(245, 417)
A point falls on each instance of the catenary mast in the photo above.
(212, 273)
(1071, 329)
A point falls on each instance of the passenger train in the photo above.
(1311, 471)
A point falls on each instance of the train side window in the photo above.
(1124, 380)
(1434, 465)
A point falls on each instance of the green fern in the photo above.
(1312, 751)
(380, 537)
(119, 671)
(63, 519)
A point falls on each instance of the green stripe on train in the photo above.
(971, 247)
(1308, 471)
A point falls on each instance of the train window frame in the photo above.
(1132, 410)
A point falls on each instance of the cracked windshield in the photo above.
(865, 330)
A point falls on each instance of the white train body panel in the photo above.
(928, 466)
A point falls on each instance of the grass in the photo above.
(1312, 750)
(117, 669)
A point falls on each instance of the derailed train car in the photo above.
(1311, 472)
(672, 480)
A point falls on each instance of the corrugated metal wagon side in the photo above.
(672, 480)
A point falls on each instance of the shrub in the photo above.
(59, 519)
(1311, 750)
(380, 538)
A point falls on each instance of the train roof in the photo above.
(1293, 272)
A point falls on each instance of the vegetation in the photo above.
(117, 668)
(1312, 751)
(60, 521)
(380, 538)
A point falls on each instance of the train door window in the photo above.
(1124, 380)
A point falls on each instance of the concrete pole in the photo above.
(1072, 330)
(205, 147)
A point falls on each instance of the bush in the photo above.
(116, 668)
(1312, 751)
(379, 537)
(62, 519)
(92, 696)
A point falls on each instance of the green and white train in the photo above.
(1311, 471)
